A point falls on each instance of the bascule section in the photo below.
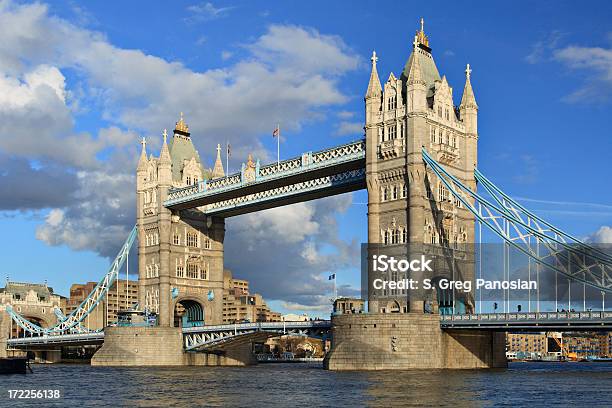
(180, 250)
(407, 204)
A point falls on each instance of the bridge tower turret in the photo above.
(407, 204)
(468, 112)
(180, 253)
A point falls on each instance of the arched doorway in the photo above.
(188, 313)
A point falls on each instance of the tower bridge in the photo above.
(418, 163)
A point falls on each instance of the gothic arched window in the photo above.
(395, 236)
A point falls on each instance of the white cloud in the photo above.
(541, 49)
(597, 62)
(603, 235)
(206, 11)
(349, 128)
(289, 74)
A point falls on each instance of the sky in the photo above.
(81, 83)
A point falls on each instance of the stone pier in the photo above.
(161, 346)
(389, 341)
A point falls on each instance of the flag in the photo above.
(332, 276)
(229, 150)
(276, 132)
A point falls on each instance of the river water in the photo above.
(291, 385)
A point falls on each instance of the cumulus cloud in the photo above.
(86, 179)
(349, 128)
(23, 187)
(603, 235)
(288, 252)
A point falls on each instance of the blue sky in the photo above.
(83, 82)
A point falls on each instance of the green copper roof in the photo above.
(429, 71)
(181, 149)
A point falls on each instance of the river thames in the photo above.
(522, 384)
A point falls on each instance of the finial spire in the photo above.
(374, 59)
(218, 168)
(142, 162)
(415, 43)
(374, 88)
(181, 126)
(165, 135)
(468, 100)
(420, 34)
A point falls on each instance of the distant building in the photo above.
(105, 312)
(587, 344)
(526, 343)
(292, 317)
(605, 344)
(34, 301)
(239, 305)
(348, 305)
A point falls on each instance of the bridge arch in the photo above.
(34, 317)
(189, 311)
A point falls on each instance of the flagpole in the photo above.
(278, 146)
(227, 158)
(335, 292)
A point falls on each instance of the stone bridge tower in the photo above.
(180, 253)
(406, 202)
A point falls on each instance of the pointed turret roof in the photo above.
(182, 149)
(142, 162)
(374, 88)
(164, 155)
(468, 100)
(218, 169)
(422, 52)
(414, 69)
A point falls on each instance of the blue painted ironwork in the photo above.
(202, 338)
(90, 302)
(308, 162)
(566, 255)
(334, 181)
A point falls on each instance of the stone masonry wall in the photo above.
(378, 341)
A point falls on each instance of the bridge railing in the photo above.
(259, 326)
(528, 316)
(307, 161)
(56, 338)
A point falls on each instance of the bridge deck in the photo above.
(534, 321)
(198, 338)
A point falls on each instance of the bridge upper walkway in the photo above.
(312, 175)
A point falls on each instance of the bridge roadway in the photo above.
(207, 338)
(530, 321)
(337, 170)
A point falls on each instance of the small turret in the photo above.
(142, 162)
(416, 88)
(373, 97)
(468, 107)
(374, 87)
(165, 162)
(218, 168)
